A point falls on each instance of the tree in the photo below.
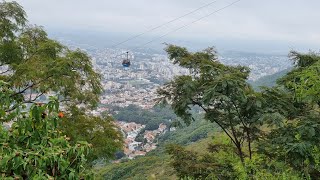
(221, 91)
(12, 20)
(304, 79)
(33, 66)
(34, 148)
(189, 164)
(283, 121)
(6, 102)
(100, 132)
(219, 162)
(295, 141)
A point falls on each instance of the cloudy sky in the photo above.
(291, 24)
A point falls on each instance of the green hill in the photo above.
(148, 167)
(156, 164)
(269, 80)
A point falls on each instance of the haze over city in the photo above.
(249, 25)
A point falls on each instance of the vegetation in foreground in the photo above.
(269, 134)
(274, 130)
(34, 147)
(39, 145)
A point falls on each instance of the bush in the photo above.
(34, 148)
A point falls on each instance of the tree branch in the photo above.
(6, 71)
(30, 86)
(217, 122)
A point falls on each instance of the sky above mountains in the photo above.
(291, 24)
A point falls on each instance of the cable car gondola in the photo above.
(126, 62)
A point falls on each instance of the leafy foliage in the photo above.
(149, 167)
(296, 141)
(185, 135)
(221, 91)
(6, 102)
(304, 79)
(156, 164)
(220, 162)
(151, 118)
(280, 122)
(34, 66)
(100, 132)
(34, 148)
(190, 164)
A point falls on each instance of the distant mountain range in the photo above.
(102, 39)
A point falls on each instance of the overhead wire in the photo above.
(184, 26)
(161, 25)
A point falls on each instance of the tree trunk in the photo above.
(249, 143)
(250, 150)
(241, 155)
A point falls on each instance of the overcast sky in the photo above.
(294, 23)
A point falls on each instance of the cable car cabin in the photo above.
(126, 63)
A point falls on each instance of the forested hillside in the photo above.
(151, 118)
(270, 80)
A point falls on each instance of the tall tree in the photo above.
(296, 140)
(221, 91)
(34, 66)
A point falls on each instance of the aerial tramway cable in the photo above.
(159, 26)
(181, 27)
(186, 25)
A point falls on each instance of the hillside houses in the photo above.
(131, 130)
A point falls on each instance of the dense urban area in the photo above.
(137, 84)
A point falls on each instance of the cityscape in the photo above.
(159, 89)
(137, 84)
